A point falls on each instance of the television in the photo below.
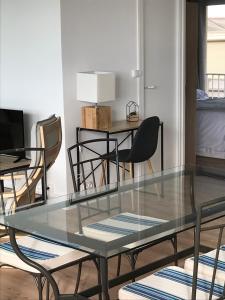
(11, 130)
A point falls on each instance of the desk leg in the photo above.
(162, 160)
(108, 169)
(104, 278)
(78, 158)
(162, 148)
(132, 164)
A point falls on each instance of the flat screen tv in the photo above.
(11, 130)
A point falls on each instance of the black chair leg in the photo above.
(132, 258)
(118, 265)
(97, 264)
(133, 263)
(78, 278)
(174, 243)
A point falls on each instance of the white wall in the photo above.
(41, 52)
(97, 35)
(31, 68)
(163, 55)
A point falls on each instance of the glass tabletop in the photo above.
(142, 210)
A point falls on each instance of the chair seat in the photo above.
(120, 225)
(206, 263)
(48, 254)
(123, 155)
(144, 143)
(172, 283)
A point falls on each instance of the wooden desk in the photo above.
(120, 127)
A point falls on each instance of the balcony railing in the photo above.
(215, 85)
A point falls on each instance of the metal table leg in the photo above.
(162, 159)
(104, 278)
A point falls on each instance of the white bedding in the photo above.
(211, 133)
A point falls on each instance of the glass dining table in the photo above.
(143, 210)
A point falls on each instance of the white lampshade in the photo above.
(95, 86)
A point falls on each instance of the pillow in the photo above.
(201, 95)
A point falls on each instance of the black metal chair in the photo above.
(82, 156)
(20, 192)
(203, 275)
(88, 165)
(143, 148)
(89, 171)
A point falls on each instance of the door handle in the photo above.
(150, 87)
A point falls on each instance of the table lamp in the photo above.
(96, 87)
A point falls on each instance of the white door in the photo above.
(162, 67)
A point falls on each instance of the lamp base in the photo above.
(97, 117)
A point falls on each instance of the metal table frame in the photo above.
(106, 284)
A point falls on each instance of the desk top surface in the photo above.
(140, 211)
(117, 126)
(124, 125)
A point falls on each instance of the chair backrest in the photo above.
(89, 165)
(145, 140)
(21, 180)
(49, 137)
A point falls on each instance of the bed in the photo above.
(211, 128)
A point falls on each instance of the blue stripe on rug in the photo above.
(186, 279)
(210, 262)
(149, 292)
(136, 220)
(29, 252)
(111, 229)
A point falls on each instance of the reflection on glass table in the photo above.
(134, 215)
